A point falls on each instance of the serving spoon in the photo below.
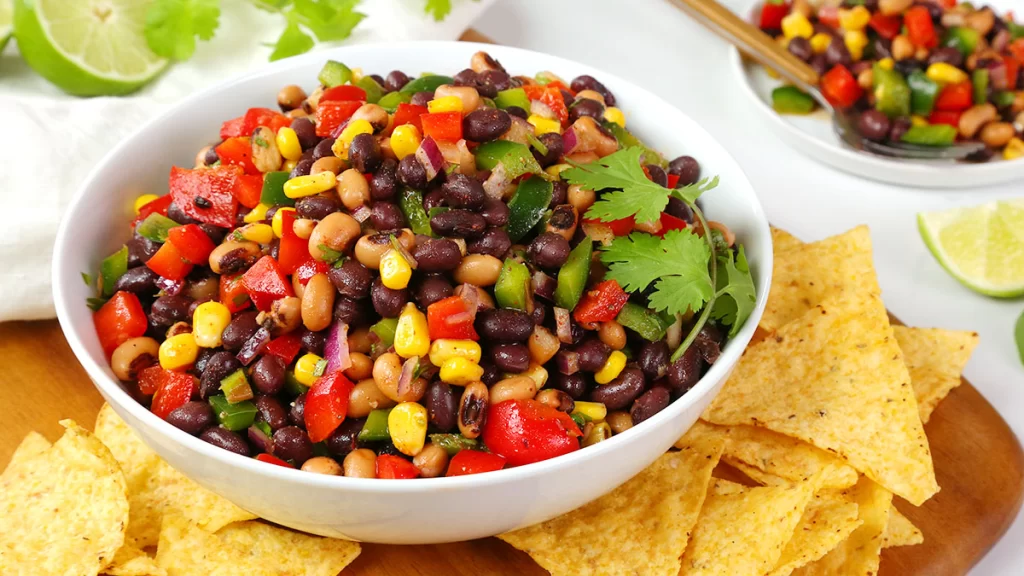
(764, 49)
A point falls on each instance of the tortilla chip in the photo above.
(900, 531)
(154, 488)
(836, 379)
(744, 530)
(828, 520)
(859, 554)
(282, 551)
(808, 275)
(641, 527)
(782, 240)
(64, 510)
(32, 445)
(130, 561)
(935, 359)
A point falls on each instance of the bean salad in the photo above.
(396, 277)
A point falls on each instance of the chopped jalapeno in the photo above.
(234, 417)
(572, 278)
(376, 427)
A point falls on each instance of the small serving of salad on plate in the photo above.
(931, 72)
(416, 277)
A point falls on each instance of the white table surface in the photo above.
(652, 43)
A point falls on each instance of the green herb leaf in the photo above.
(173, 25)
(320, 368)
(87, 279)
(272, 5)
(439, 8)
(330, 254)
(329, 20)
(677, 265)
(691, 192)
(736, 297)
(95, 304)
(1018, 333)
(292, 42)
(260, 142)
(537, 144)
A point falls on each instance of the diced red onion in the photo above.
(470, 294)
(336, 348)
(428, 371)
(254, 346)
(569, 141)
(497, 183)
(518, 132)
(544, 285)
(1001, 40)
(541, 109)
(528, 290)
(997, 76)
(362, 213)
(260, 440)
(170, 287)
(467, 160)
(341, 127)
(405, 378)
(409, 258)
(430, 157)
(568, 362)
(674, 334)
(601, 233)
(563, 325)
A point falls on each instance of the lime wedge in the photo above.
(87, 47)
(982, 247)
(6, 22)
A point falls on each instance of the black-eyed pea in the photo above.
(361, 366)
(613, 334)
(374, 114)
(337, 232)
(975, 117)
(514, 388)
(365, 397)
(317, 303)
(997, 134)
(353, 190)
(132, 356)
(473, 409)
(478, 269)
(360, 463)
(265, 155)
(322, 465)
(232, 257)
(619, 421)
(328, 164)
(359, 340)
(431, 461)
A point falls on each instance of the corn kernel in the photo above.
(542, 125)
(405, 140)
(288, 144)
(354, 128)
(782, 41)
(395, 271)
(612, 367)
(856, 41)
(143, 200)
(445, 104)
(887, 63)
(1014, 149)
(256, 232)
(916, 120)
(357, 74)
(306, 368)
(537, 373)
(596, 411)
(944, 73)
(407, 425)
(556, 169)
(796, 25)
(459, 371)
(208, 323)
(445, 348)
(310, 185)
(257, 214)
(289, 165)
(856, 18)
(820, 42)
(178, 352)
(412, 337)
(277, 222)
(613, 114)
(598, 433)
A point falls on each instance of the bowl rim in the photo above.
(117, 396)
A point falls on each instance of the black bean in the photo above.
(495, 242)
(553, 142)
(621, 391)
(395, 80)
(316, 207)
(174, 212)
(653, 359)
(679, 209)
(513, 358)
(873, 125)
(378, 79)
(139, 280)
(384, 182)
(323, 149)
(491, 374)
(364, 153)
(239, 330)
(900, 126)
(837, 53)
(592, 354)
(819, 64)
(268, 374)
(685, 372)
(687, 168)
(269, 410)
(433, 199)
(801, 48)
(586, 107)
(306, 131)
(559, 193)
(539, 314)
(302, 168)
(167, 310)
(587, 82)
(709, 342)
(650, 403)
(517, 112)
(297, 411)
(421, 98)
(952, 56)
(411, 173)
(466, 77)
(351, 279)
(218, 367)
(432, 288)
(215, 233)
(349, 311)
(577, 332)
(461, 191)
(658, 175)
(202, 359)
(459, 223)
(313, 342)
(345, 437)
(387, 216)
(549, 250)
(490, 82)
(291, 443)
(140, 250)
(442, 406)
(226, 439)
(387, 302)
(882, 47)
(192, 417)
(572, 384)
(437, 255)
(485, 124)
(495, 212)
(504, 325)
(908, 66)
(210, 157)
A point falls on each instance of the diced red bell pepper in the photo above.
(310, 268)
(888, 27)
(237, 152)
(948, 3)
(285, 347)
(232, 292)
(526, 431)
(345, 92)
(1016, 49)
(391, 467)
(149, 379)
(827, 15)
(330, 115)
(265, 283)
(950, 117)
(955, 97)
(169, 262)
(550, 97)
(120, 318)
(561, 86)
(264, 457)
(158, 206)
(620, 227)
(450, 318)
(1013, 70)
(474, 462)
(920, 28)
(249, 189)
(669, 223)
(326, 405)
(212, 188)
(256, 117)
(673, 180)
(601, 304)
(191, 242)
(409, 114)
(443, 126)
(233, 128)
(292, 251)
(173, 390)
(772, 15)
(840, 87)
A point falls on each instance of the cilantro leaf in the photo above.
(439, 8)
(271, 5)
(691, 192)
(1018, 333)
(172, 26)
(293, 41)
(736, 297)
(677, 265)
(634, 194)
(329, 20)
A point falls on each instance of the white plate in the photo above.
(812, 135)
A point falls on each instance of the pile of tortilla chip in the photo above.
(822, 420)
(104, 503)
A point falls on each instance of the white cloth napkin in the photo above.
(52, 140)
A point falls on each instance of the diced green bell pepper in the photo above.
(923, 93)
(962, 38)
(292, 385)
(572, 278)
(628, 140)
(980, 82)
(235, 387)
(264, 427)
(527, 206)
(1016, 30)
(580, 419)
(512, 97)
(412, 207)
(931, 135)
(385, 331)
(391, 100)
(234, 417)
(426, 83)
(516, 158)
(454, 443)
(373, 90)
(112, 268)
(792, 100)
(334, 74)
(273, 190)
(892, 93)
(155, 227)
(513, 282)
(375, 429)
(645, 322)
(1004, 98)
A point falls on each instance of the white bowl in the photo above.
(397, 512)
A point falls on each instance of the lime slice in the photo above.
(87, 47)
(6, 22)
(982, 247)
